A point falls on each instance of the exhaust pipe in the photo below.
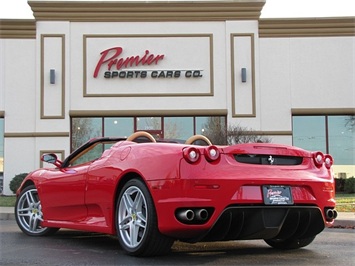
(331, 214)
(201, 214)
(186, 215)
(335, 214)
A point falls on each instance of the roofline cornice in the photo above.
(17, 29)
(137, 11)
(307, 27)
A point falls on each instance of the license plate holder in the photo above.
(277, 195)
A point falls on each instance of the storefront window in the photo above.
(330, 134)
(309, 133)
(85, 128)
(1, 153)
(201, 122)
(341, 139)
(118, 126)
(178, 127)
(148, 123)
(214, 127)
(1, 141)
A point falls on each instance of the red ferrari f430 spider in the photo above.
(150, 193)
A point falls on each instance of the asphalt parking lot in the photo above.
(70, 247)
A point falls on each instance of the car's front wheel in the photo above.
(136, 222)
(28, 213)
(292, 243)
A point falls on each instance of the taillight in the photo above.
(191, 154)
(212, 153)
(328, 161)
(318, 158)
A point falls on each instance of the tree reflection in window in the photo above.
(83, 129)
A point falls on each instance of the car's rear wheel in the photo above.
(289, 243)
(136, 222)
(28, 213)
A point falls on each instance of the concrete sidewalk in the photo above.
(344, 219)
(7, 213)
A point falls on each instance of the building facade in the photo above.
(173, 68)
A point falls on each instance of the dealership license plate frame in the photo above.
(277, 195)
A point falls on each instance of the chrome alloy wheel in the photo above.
(132, 216)
(29, 212)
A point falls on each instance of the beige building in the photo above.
(86, 69)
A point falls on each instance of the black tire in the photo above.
(136, 222)
(289, 243)
(28, 213)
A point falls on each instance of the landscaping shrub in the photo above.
(349, 186)
(16, 181)
(339, 184)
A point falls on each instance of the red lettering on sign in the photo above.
(271, 193)
(111, 58)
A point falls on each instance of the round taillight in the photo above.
(318, 158)
(212, 153)
(328, 161)
(191, 154)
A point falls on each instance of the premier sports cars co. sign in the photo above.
(171, 65)
(111, 59)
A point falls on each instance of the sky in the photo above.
(19, 9)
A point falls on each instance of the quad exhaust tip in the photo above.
(331, 214)
(186, 215)
(193, 216)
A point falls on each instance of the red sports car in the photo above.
(150, 193)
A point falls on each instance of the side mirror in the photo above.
(51, 158)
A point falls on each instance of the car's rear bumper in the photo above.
(265, 222)
(236, 210)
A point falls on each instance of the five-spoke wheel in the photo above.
(28, 213)
(132, 216)
(136, 222)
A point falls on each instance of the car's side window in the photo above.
(90, 154)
